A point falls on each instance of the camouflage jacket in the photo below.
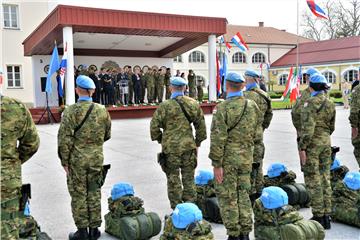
(354, 117)
(167, 79)
(160, 80)
(150, 81)
(345, 196)
(285, 178)
(232, 143)
(296, 109)
(263, 101)
(19, 141)
(170, 127)
(317, 121)
(206, 191)
(126, 206)
(191, 80)
(85, 148)
(337, 175)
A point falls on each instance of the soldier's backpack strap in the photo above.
(85, 118)
(183, 110)
(264, 97)
(241, 116)
(322, 106)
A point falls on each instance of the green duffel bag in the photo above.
(263, 232)
(302, 230)
(337, 175)
(304, 197)
(126, 206)
(30, 230)
(346, 215)
(212, 210)
(138, 227)
(292, 192)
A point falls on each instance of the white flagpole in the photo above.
(297, 38)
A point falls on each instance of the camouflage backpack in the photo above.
(285, 178)
(208, 203)
(338, 174)
(196, 231)
(126, 206)
(30, 230)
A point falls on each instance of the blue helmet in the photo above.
(178, 81)
(252, 73)
(121, 189)
(318, 78)
(185, 214)
(352, 180)
(335, 165)
(311, 71)
(234, 77)
(85, 82)
(273, 197)
(276, 169)
(203, 177)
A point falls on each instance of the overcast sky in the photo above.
(280, 14)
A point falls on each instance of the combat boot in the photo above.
(244, 237)
(319, 220)
(327, 224)
(233, 238)
(80, 234)
(94, 233)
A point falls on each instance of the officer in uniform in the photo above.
(84, 128)
(199, 89)
(234, 130)
(263, 101)
(317, 124)
(192, 86)
(171, 126)
(19, 141)
(160, 80)
(167, 83)
(150, 84)
(355, 121)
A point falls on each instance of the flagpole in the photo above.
(297, 38)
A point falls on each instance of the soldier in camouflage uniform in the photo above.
(317, 124)
(355, 121)
(143, 80)
(263, 101)
(171, 126)
(167, 83)
(150, 86)
(234, 130)
(81, 155)
(19, 141)
(159, 85)
(192, 84)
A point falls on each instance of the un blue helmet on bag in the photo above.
(203, 177)
(121, 189)
(185, 214)
(352, 180)
(335, 165)
(273, 197)
(276, 169)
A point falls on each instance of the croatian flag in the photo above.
(316, 9)
(63, 66)
(239, 41)
(228, 46)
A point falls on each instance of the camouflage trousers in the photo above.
(234, 201)
(356, 144)
(9, 226)
(317, 179)
(200, 93)
(85, 199)
(192, 92)
(257, 177)
(150, 93)
(168, 92)
(160, 92)
(181, 189)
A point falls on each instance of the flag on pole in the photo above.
(218, 78)
(316, 9)
(54, 66)
(63, 66)
(288, 83)
(228, 46)
(239, 41)
(292, 89)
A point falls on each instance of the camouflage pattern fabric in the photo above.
(337, 175)
(354, 119)
(83, 154)
(233, 151)
(317, 126)
(159, 85)
(19, 141)
(296, 109)
(126, 206)
(197, 231)
(202, 193)
(167, 85)
(150, 84)
(200, 93)
(30, 230)
(192, 85)
(285, 178)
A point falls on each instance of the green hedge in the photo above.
(335, 94)
(275, 95)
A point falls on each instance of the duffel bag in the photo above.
(302, 230)
(126, 206)
(138, 227)
(292, 192)
(212, 210)
(346, 214)
(304, 197)
(263, 232)
(28, 227)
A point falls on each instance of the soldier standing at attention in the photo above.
(84, 128)
(317, 124)
(192, 86)
(160, 85)
(150, 84)
(167, 83)
(234, 130)
(355, 121)
(263, 101)
(171, 126)
(19, 141)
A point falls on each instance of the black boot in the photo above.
(319, 220)
(244, 237)
(80, 234)
(233, 238)
(94, 233)
(327, 224)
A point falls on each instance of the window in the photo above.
(13, 76)
(11, 13)
(330, 77)
(283, 78)
(239, 57)
(258, 58)
(351, 75)
(197, 57)
(200, 81)
(178, 59)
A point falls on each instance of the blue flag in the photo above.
(224, 70)
(54, 66)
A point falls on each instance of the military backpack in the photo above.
(208, 202)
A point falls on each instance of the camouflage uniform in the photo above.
(259, 96)
(159, 85)
(355, 120)
(317, 124)
(150, 83)
(296, 111)
(179, 145)
(192, 85)
(167, 86)
(19, 141)
(83, 154)
(233, 151)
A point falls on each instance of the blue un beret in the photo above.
(273, 197)
(234, 77)
(85, 82)
(203, 177)
(178, 81)
(318, 78)
(336, 164)
(252, 73)
(276, 169)
(121, 189)
(311, 71)
(185, 214)
(352, 180)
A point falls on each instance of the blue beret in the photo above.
(203, 177)
(252, 73)
(276, 169)
(234, 77)
(311, 71)
(273, 197)
(121, 189)
(336, 164)
(85, 82)
(318, 78)
(185, 214)
(178, 81)
(352, 180)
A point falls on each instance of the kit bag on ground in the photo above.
(29, 229)
(287, 177)
(208, 203)
(297, 194)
